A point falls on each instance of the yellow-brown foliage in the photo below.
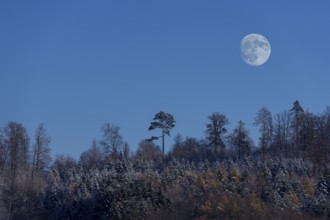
(308, 186)
(293, 198)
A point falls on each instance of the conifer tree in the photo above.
(165, 122)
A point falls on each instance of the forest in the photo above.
(224, 175)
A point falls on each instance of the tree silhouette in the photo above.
(112, 139)
(163, 121)
(215, 130)
(41, 150)
(264, 120)
(298, 126)
(240, 140)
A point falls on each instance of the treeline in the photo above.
(221, 176)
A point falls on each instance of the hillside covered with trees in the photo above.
(221, 176)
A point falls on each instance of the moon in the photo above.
(255, 49)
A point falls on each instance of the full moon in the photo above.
(255, 49)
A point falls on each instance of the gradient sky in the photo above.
(74, 65)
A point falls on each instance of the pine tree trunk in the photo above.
(163, 144)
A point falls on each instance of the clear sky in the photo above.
(74, 65)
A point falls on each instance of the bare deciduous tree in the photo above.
(92, 157)
(148, 151)
(282, 134)
(16, 143)
(265, 122)
(3, 152)
(41, 150)
(112, 140)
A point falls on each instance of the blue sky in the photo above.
(74, 65)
